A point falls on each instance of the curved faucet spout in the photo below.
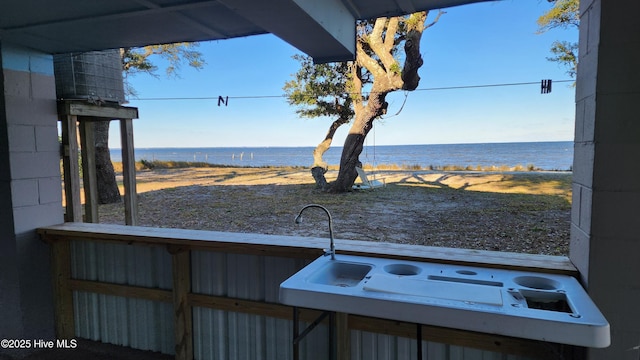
(332, 248)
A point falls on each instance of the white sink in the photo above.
(545, 307)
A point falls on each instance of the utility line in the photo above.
(282, 96)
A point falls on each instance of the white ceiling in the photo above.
(323, 29)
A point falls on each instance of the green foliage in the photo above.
(564, 14)
(327, 89)
(320, 89)
(565, 53)
(139, 60)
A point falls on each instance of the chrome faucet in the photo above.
(332, 248)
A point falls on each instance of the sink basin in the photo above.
(339, 273)
(545, 307)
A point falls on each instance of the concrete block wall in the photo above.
(30, 190)
(605, 236)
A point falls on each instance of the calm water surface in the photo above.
(556, 155)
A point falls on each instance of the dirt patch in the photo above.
(516, 212)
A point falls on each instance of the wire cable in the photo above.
(284, 96)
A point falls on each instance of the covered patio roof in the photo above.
(321, 29)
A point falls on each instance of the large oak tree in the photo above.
(382, 45)
(136, 61)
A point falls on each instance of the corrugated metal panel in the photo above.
(122, 264)
(248, 277)
(140, 324)
(137, 323)
(218, 334)
(229, 335)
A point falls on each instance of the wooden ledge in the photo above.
(86, 109)
(301, 247)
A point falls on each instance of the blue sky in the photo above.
(485, 43)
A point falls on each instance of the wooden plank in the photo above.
(129, 172)
(490, 342)
(106, 111)
(242, 306)
(182, 309)
(90, 182)
(305, 247)
(343, 337)
(73, 205)
(128, 291)
(62, 293)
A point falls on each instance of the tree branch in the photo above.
(413, 60)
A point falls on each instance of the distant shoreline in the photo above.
(160, 164)
(491, 156)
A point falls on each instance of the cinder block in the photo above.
(22, 138)
(43, 86)
(35, 165)
(47, 138)
(615, 167)
(50, 190)
(579, 250)
(29, 218)
(17, 83)
(25, 111)
(41, 63)
(583, 155)
(594, 11)
(615, 215)
(586, 79)
(616, 76)
(585, 119)
(619, 122)
(586, 203)
(576, 194)
(35, 288)
(619, 23)
(24, 192)
(615, 263)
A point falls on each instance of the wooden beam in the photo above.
(95, 112)
(183, 320)
(129, 172)
(62, 293)
(304, 247)
(343, 337)
(73, 205)
(128, 291)
(90, 182)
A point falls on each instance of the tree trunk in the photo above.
(354, 143)
(350, 158)
(380, 41)
(319, 167)
(108, 192)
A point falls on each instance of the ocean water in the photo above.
(557, 155)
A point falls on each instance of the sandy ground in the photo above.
(521, 212)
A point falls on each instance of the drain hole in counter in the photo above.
(537, 282)
(540, 300)
(402, 269)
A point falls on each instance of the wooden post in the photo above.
(183, 320)
(70, 111)
(90, 182)
(71, 171)
(343, 337)
(62, 294)
(129, 172)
